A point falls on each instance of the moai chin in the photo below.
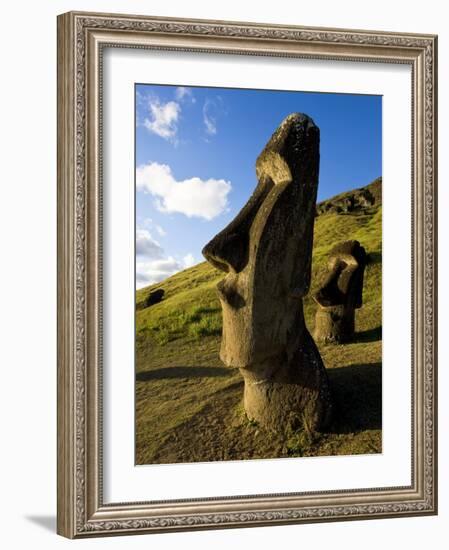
(266, 253)
(340, 294)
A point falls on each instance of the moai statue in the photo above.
(340, 294)
(266, 253)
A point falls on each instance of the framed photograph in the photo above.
(246, 274)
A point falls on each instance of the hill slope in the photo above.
(188, 405)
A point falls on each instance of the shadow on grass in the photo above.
(182, 372)
(372, 335)
(357, 395)
(374, 257)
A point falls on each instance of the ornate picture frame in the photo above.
(82, 38)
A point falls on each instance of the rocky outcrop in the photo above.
(356, 201)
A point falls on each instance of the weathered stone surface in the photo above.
(266, 252)
(154, 297)
(340, 293)
(355, 201)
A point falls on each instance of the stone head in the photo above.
(266, 250)
(343, 284)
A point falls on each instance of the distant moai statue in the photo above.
(266, 253)
(340, 294)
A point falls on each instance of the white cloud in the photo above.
(189, 260)
(163, 118)
(213, 109)
(149, 272)
(193, 197)
(148, 222)
(152, 263)
(146, 245)
(159, 229)
(210, 120)
(182, 93)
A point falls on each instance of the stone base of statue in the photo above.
(294, 395)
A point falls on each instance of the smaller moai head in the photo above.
(343, 284)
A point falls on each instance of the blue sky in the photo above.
(195, 156)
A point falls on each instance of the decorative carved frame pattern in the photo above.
(81, 37)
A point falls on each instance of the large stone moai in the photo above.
(266, 252)
(340, 294)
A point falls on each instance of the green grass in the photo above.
(189, 406)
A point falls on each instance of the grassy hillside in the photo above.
(188, 404)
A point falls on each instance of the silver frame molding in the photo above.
(81, 510)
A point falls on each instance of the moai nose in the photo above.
(228, 251)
